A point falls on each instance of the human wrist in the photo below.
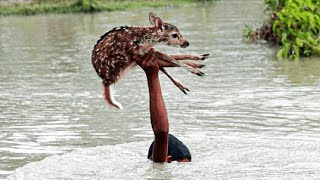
(152, 74)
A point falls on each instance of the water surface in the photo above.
(252, 116)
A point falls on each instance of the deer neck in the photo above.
(150, 35)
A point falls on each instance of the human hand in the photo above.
(149, 62)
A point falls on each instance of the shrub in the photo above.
(294, 24)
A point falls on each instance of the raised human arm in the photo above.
(159, 119)
(158, 112)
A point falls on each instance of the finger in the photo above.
(137, 59)
(152, 61)
(149, 54)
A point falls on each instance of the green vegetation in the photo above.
(294, 24)
(76, 6)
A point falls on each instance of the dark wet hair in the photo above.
(176, 149)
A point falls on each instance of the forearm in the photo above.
(158, 112)
(159, 119)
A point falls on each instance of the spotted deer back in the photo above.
(113, 53)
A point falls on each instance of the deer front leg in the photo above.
(194, 65)
(169, 64)
(163, 64)
(175, 81)
(176, 63)
(190, 56)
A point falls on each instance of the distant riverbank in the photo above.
(31, 7)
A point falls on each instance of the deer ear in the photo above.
(154, 20)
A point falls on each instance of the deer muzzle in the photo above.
(185, 44)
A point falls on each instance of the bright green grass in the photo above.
(77, 6)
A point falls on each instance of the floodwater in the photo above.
(251, 117)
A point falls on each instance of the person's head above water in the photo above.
(177, 151)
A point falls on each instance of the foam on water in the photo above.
(224, 157)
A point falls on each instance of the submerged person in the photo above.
(165, 147)
(177, 151)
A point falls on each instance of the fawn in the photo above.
(116, 50)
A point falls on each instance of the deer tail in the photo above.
(108, 96)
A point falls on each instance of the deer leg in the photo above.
(175, 81)
(190, 56)
(163, 63)
(176, 63)
(194, 65)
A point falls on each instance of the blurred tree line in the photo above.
(29, 7)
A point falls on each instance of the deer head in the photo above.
(170, 34)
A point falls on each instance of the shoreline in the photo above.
(33, 7)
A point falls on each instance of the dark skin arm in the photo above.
(158, 112)
(159, 119)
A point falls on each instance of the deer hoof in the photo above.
(200, 73)
(182, 88)
(204, 56)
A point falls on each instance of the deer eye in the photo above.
(174, 35)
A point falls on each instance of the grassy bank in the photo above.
(77, 6)
(293, 24)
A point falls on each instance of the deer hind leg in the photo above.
(171, 62)
(175, 81)
(111, 72)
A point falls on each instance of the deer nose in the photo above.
(185, 44)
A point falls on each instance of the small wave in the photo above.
(213, 158)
